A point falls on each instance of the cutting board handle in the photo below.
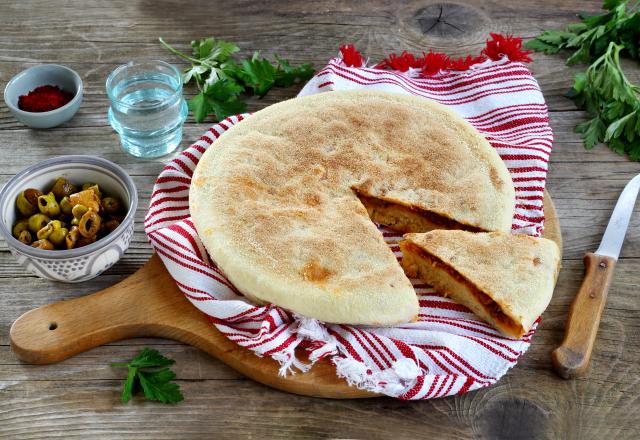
(571, 359)
(57, 331)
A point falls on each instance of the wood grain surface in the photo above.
(79, 398)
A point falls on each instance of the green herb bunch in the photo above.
(221, 79)
(148, 371)
(603, 90)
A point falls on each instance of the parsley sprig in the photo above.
(603, 90)
(145, 372)
(221, 79)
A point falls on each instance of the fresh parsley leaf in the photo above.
(557, 38)
(287, 75)
(224, 109)
(604, 91)
(221, 79)
(156, 384)
(127, 390)
(199, 107)
(579, 56)
(258, 74)
(540, 46)
(592, 132)
(194, 72)
(616, 128)
(612, 4)
(212, 49)
(150, 358)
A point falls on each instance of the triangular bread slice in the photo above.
(505, 279)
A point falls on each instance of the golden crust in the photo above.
(274, 199)
(517, 272)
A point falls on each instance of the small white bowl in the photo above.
(41, 75)
(87, 262)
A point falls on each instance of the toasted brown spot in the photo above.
(495, 179)
(537, 261)
(313, 271)
(312, 199)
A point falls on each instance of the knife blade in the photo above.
(571, 358)
(617, 228)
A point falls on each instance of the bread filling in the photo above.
(418, 263)
(408, 218)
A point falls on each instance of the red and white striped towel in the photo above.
(448, 350)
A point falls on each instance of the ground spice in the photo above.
(44, 99)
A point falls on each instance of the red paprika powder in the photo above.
(44, 99)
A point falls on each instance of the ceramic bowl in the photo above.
(84, 263)
(44, 74)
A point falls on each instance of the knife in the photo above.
(571, 358)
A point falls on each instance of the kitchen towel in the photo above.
(448, 350)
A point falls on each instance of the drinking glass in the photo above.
(147, 108)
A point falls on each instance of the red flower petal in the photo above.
(350, 56)
(510, 46)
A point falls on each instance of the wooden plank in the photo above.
(80, 399)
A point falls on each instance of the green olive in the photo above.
(54, 232)
(58, 234)
(109, 226)
(45, 232)
(27, 202)
(78, 211)
(37, 222)
(48, 205)
(110, 205)
(63, 188)
(89, 224)
(93, 187)
(72, 237)
(65, 205)
(75, 221)
(43, 244)
(25, 237)
(22, 225)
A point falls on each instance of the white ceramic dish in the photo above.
(74, 265)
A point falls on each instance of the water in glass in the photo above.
(147, 108)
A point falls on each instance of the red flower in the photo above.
(402, 62)
(350, 56)
(464, 63)
(434, 62)
(509, 46)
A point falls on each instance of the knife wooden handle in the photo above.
(571, 358)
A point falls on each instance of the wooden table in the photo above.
(80, 397)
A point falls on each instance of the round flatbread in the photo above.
(282, 200)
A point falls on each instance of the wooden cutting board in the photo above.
(148, 304)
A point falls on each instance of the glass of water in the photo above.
(147, 108)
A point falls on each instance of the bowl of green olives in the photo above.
(68, 218)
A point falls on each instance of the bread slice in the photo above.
(505, 279)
